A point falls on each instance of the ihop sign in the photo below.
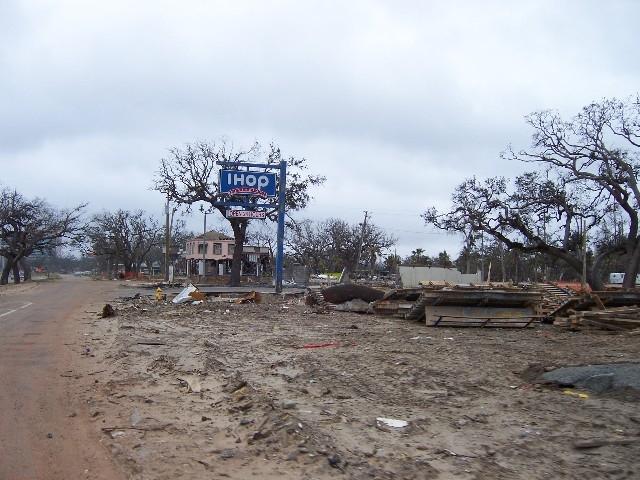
(235, 182)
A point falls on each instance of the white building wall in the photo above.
(412, 276)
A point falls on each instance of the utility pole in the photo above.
(482, 257)
(584, 257)
(167, 241)
(396, 264)
(544, 236)
(364, 229)
(204, 249)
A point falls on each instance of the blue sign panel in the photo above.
(236, 182)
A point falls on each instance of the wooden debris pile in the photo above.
(610, 310)
(444, 304)
(398, 302)
(609, 318)
(553, 297)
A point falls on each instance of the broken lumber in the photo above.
(601, 442)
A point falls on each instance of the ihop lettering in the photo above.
(236, 182)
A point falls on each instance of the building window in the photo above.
(202, 248)
(232, 248)
(217, 249)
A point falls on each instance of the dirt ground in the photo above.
(220, 390)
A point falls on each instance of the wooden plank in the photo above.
(604, 325)
(520, 317)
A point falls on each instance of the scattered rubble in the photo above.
(226, 390)
(251, 297)
(108, 311)
(185, 295)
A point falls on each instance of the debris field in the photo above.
(279, 389)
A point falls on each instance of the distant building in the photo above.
(216, 250)
(618, 278)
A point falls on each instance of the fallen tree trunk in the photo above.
(344, 292)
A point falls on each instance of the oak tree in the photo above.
(189, 175)
(123, 236)
(586, 170)
(32, 225)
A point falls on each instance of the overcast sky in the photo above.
(394, 102)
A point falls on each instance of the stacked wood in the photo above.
(612, 318)
(316, 301)
(553, 297)
(397, 302)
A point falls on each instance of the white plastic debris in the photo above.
(392, 422)
(183, 296)
(192, 382)
(197, 302)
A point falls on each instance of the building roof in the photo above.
(213, 235)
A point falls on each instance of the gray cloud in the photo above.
(395, 102)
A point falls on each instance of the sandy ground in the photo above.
(220, 390)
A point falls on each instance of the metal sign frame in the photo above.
(280, 205)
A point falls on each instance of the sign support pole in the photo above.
(281, 208)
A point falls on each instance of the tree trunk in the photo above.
(594, 280)
(4, 277)
(595, 274)
(16, 272)
(239, 228)
(26, 268)
(631, 271)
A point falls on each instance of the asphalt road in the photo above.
(45, 431)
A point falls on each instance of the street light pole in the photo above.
(204, 248)
(167, 241)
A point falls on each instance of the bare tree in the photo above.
(190, 175)
(263, 235)
(179, 238)
(123, 236)
(536, 215)
(587, 169)
(333, 244)
(599, 149)
(309, 243)
(28, 226)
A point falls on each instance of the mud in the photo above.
(275, 390)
